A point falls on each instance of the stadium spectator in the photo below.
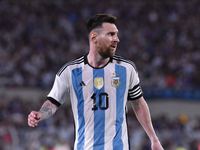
(58, 131)
(37, 37)
(162, 38)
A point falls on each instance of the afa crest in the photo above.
(115, 82)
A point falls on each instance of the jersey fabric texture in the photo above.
(98, 99)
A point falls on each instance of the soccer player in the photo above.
(99, 83)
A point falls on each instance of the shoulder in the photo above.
(74, 62)
(123, 61)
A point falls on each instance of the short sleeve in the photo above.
(135, 90)
(59, 90)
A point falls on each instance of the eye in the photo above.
(112, 33)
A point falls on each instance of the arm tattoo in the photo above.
(47, 110)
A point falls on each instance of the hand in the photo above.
(33, 118)
(156, 146)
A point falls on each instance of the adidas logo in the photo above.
(81, 84)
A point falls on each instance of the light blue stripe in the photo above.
(120, 91)
(76, 80)
(99, 115)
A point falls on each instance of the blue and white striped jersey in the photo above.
(98, 98)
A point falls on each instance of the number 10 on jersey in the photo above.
(101, 95)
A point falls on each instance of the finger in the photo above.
(32, 120)
(34, 114)
(32, 123)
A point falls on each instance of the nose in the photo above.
(116, 38)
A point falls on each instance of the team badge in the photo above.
(98, 82)
(115, 82)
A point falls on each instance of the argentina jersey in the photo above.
(98, 99)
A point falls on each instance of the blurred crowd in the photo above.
(38, 37)
(57, 133)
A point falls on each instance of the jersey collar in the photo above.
(86, 61)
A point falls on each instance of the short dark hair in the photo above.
(97, 20)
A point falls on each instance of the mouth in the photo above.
(114, 46)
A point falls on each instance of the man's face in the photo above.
(107, 39)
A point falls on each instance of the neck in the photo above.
(96, 61)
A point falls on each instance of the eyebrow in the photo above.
(117, 32)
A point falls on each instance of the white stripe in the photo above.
(132, 91)
(110, 120)
(88, 112)
(74, 102)
(125, 135)
(135, 93)
(124, 126)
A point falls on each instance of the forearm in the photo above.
(143, 115)
(47, 110)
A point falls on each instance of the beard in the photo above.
(107, 53)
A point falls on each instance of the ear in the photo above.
(93, 37)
